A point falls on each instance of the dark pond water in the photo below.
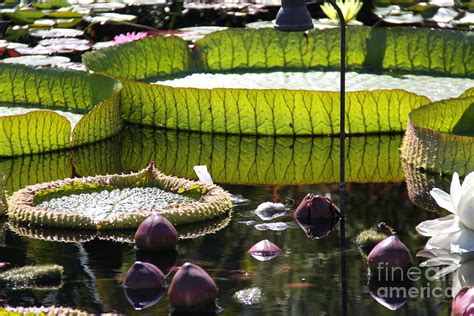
(304, 280)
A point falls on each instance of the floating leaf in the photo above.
(65, 13)
(75, 91)
(266, 112)
(280, 112)
(53, 4)
(440, 136)
(37, 60)
(141, 59)
(48, 275)
(268, 210)
(56, 32)
(404, 49)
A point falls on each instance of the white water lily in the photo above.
(453, 234)
(460, 265)
(349, 9)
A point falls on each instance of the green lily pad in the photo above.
(440, 137)
(41, 204)
(31, 13)
(56, 89)
(275, 111)
(64, 13)
(435, 88)
(53, 4)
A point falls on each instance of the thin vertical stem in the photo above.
(342, 161)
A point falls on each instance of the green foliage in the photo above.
(38, 276)
(367, 239)
(280, 112)
(266, 112)
(41, 131)
(400, 49)
(262, 160)
(53, 4)
(440, 137)
(149, 57)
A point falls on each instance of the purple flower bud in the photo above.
(463, 303)
(192, 289)
(390, 253)
(317, 216)
(143, 275)
(390, 294)
(143, 298)
(264, 250)
(156, 233)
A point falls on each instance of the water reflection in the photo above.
(189, 231)
(419, 185)
(230, 159)
(262, 160)
(93, 273)
(390, 294)
(95, 262)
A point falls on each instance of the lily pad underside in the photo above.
(199, 202)
(279, 111)
(187, 231)
(33, 94)
(440, 137)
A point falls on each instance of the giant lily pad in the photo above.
(37, 92)
(117, 201)
(440, 136)
(278, 111)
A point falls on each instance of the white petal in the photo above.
(440, 226)
(439, 242)
(466, 210)
(468, 183)
(443, 199)
(455, 190)
(463, 277)
(439, 261)
(441, 273)
(462, 241)
(203, 175)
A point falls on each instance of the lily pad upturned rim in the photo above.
(441, 149)
(187, 231)
(213, 202)
(266, 112)
(46, 90)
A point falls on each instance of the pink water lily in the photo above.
(129, 37)
(453, 233)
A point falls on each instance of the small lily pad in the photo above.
(110, 17)
(268, 211)
(56, 32)
(64, 41)
(36, 60)
(250, 296)
(407, 18)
